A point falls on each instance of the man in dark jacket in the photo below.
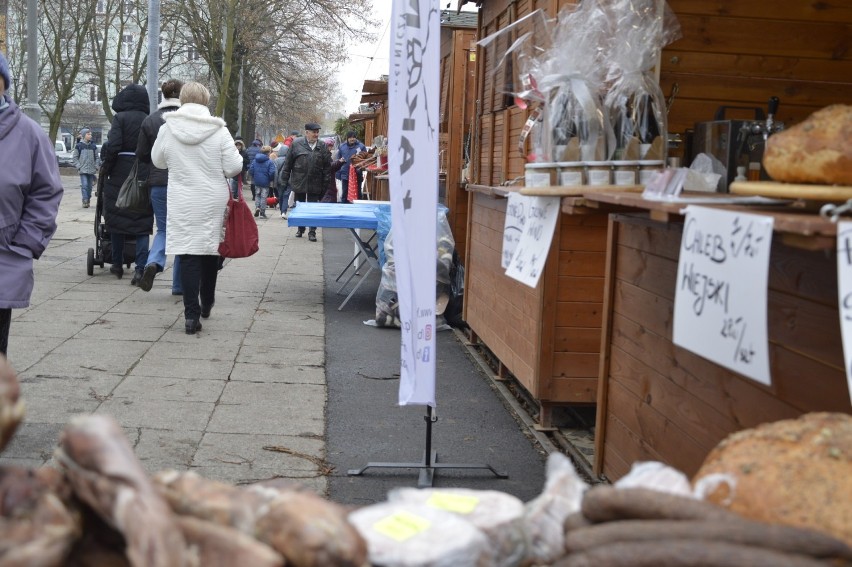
(118, 154)
(307, 170)
(158, 179)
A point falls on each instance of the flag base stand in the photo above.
(430, 461)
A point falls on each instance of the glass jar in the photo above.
(540, 174)
(625, 172)
(599, 172)
(571, 173)
(647, 168)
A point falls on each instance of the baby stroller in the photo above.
(102, 252)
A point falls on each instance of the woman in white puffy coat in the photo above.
(199, 153)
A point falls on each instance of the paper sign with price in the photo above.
(844, 290)
(721, 289)
(531, 253)
(513, 228)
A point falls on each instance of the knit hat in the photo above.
(4, 72)
(84, 131)
(351, 134)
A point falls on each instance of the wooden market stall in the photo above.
(458, 95)
(728, 55)
(374, 114)
(660, 402)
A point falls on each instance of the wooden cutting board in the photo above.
(792, 190)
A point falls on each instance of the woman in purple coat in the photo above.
(30, 192)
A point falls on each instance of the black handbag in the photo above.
(135, 193)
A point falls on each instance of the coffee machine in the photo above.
(736, 142)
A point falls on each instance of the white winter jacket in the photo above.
(199, 153)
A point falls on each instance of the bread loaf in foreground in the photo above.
(818, 150)
(796, 472)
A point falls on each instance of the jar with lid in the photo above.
(599, 172)
(625, 172)
(647, 168)
(571, 173)
(540, 174)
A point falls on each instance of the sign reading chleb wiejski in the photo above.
(721, 290)
(530, 256)
(844, 291)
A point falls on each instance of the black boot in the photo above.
(206, 309)
(192, 325)
(116, 270)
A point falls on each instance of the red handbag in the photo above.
(241, 237)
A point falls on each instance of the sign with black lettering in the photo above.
(513, 228)
(531, 253)
(844, 291)
(721, 289)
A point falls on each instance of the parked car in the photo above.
(63, 156)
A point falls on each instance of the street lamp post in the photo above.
(31, 108)
(153, 52)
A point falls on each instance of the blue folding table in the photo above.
(352, 216)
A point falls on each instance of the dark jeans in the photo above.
(5, 323)
(117, 241)
(198, 280)
(307, 198)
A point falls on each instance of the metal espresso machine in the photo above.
(736, 143)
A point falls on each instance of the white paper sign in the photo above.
(721, 291)
(516, 216)
(844, 290)
(531, 254)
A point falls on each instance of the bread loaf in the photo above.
(796, 472)
(818, 150)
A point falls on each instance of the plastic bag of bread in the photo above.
(796, 472)
(818, 150)
(416, 535)
(498, 515)
(546, 514)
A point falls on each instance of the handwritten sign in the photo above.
(516, 216)
(844, 290)
(720, 297)
(531, 254)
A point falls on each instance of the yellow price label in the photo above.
(402, 526)
(458, 503)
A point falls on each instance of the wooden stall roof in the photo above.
(453, 19)
(361, 116)
(375, 88)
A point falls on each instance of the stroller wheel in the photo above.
(90, 262)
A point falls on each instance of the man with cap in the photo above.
(87, 162)
(348, 149)
(308, 170)
(30, 192)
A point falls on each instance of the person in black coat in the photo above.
(118, 155)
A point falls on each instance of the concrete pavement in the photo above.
(276, 384)
(210, 402)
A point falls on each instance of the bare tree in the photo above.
(64, 25)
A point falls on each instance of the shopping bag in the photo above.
(241, 238)
(135, 193)
(271, 201)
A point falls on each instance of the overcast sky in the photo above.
(370, 61)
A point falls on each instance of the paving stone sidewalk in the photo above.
(243, 400)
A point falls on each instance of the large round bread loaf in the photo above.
(818, 150)
(796, 472)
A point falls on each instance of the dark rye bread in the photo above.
(818, 150)
(796, 472)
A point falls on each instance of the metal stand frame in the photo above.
(430, 460)
(365, 248)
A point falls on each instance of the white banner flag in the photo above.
(413, 94)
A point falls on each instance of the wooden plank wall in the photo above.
(504, 313)
(741, 52)
(458, 73)
(665, 403)
(579, 308)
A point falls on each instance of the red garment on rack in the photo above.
(352, 189)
